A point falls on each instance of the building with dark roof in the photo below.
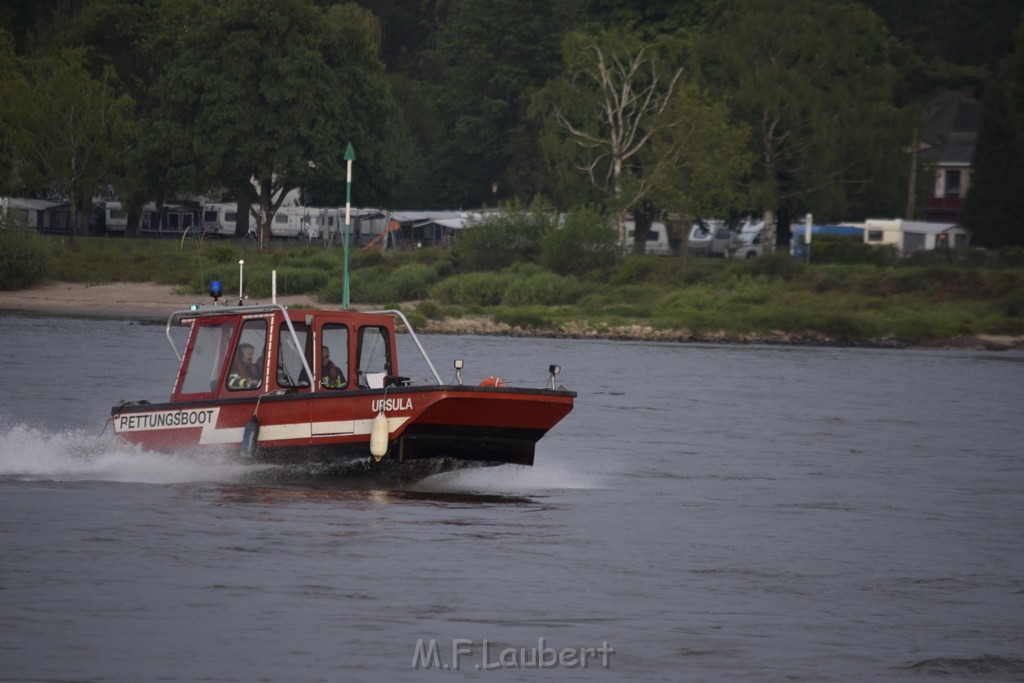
(947, 147)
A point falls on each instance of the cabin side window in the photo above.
(246, 371)
(210, 348)
(374, 357)
(291, 372)
(334, 357)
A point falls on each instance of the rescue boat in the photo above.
(279, 385)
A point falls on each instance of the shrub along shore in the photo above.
(974, 299)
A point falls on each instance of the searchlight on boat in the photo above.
(553, 371)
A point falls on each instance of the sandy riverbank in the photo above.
(118, 300)
(148, 301)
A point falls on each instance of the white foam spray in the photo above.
(78, 455)
(543, 477)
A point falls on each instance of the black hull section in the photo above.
(474, 444)
(427, 448)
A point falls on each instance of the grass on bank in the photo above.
(846, 302)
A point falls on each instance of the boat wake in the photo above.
(542, 478)
(30, 453)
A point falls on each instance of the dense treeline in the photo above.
(708, 107)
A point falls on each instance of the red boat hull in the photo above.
(465, 423)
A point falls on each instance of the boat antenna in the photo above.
(241, 271)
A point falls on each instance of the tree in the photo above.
(995, 203)
(265, 94)
(490, 56)
(585, 243)
(652, 20)
(134, 40)
(977, 33)
(636, 130)
(813, 81)
(67, 130)
(610, 103)
(11, 81)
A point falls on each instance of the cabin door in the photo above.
(331, 412)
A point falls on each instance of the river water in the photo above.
(706, 513)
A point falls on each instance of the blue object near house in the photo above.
(798, 245)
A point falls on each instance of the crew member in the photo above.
(245, 373)
(330, 376)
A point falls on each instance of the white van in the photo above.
(709, 238)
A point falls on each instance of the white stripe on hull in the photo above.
(211, 435)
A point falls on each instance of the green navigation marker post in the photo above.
(350, 155)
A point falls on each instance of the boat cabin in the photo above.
(249, 351)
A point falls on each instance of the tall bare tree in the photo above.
(635, 128)
(626, 94)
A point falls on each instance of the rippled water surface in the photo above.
(706, 513)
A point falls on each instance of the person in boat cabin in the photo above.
(330, 376)
(245, 373)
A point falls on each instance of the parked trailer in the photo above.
(290, 222)
(220, 218)
(170, 221)
(115, 218)
(40, 214)
(657, 238)
(911, 236)
(328, 224)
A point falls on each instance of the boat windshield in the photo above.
(334, 357)
(290, 370)
(209, 351)
(247, 363)
(374, 357)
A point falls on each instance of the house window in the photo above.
(952, 183)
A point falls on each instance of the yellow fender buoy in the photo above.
(379, 436)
